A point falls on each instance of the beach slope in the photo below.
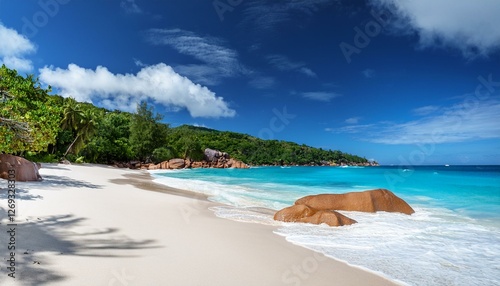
(97, 225)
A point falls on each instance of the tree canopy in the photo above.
(29, 117)
(255, 151)
(146, 132)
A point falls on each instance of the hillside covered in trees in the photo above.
(253, 150)
(44, 127)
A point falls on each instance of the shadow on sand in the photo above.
(21, 194)
(49, 234)
(63, 182)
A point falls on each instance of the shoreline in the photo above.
(266, 211)
(86, 215)
(150, 185)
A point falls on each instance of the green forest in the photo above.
(47, 128)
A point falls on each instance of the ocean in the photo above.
(453, 238)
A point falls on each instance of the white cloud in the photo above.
(352, 120)
(139, 63)
(425, 110)
(308, 72)
(454, 125)
(203, 74)
(470, 26)
(130, 7)
(466, 121)
(265, 15)
(320, 95)
(283, 63)
(352, 129)
(19, 64)
(159, 83)
(218, 61)
(14, 48)
(368, 73)
(200, 125)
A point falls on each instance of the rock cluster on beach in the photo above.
(212, 159)
(18, 168)
(323, 208)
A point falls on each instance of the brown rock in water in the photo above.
(331, 218)
(241, 165)
(232, 163)
(24, 170)
(176, 163)
(294, 213)
(367, 201)
(303, 213)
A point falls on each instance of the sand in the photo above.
(99, 225)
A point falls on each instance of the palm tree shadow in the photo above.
(49, 182)
(63, 182)
(50, 234)
(21, 194)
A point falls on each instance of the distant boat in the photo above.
(446, 165)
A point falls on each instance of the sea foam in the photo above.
(449, 240)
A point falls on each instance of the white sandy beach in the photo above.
(97, 225)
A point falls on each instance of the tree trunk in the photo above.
(69, 148)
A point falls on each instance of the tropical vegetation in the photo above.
(44, 127)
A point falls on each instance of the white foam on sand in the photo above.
(238, 196)
(430, 247)
(434, 246)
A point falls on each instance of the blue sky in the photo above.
(412, 82)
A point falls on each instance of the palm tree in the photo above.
(72, 114)
(82, 121)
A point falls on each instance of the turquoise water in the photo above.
(452, 239)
